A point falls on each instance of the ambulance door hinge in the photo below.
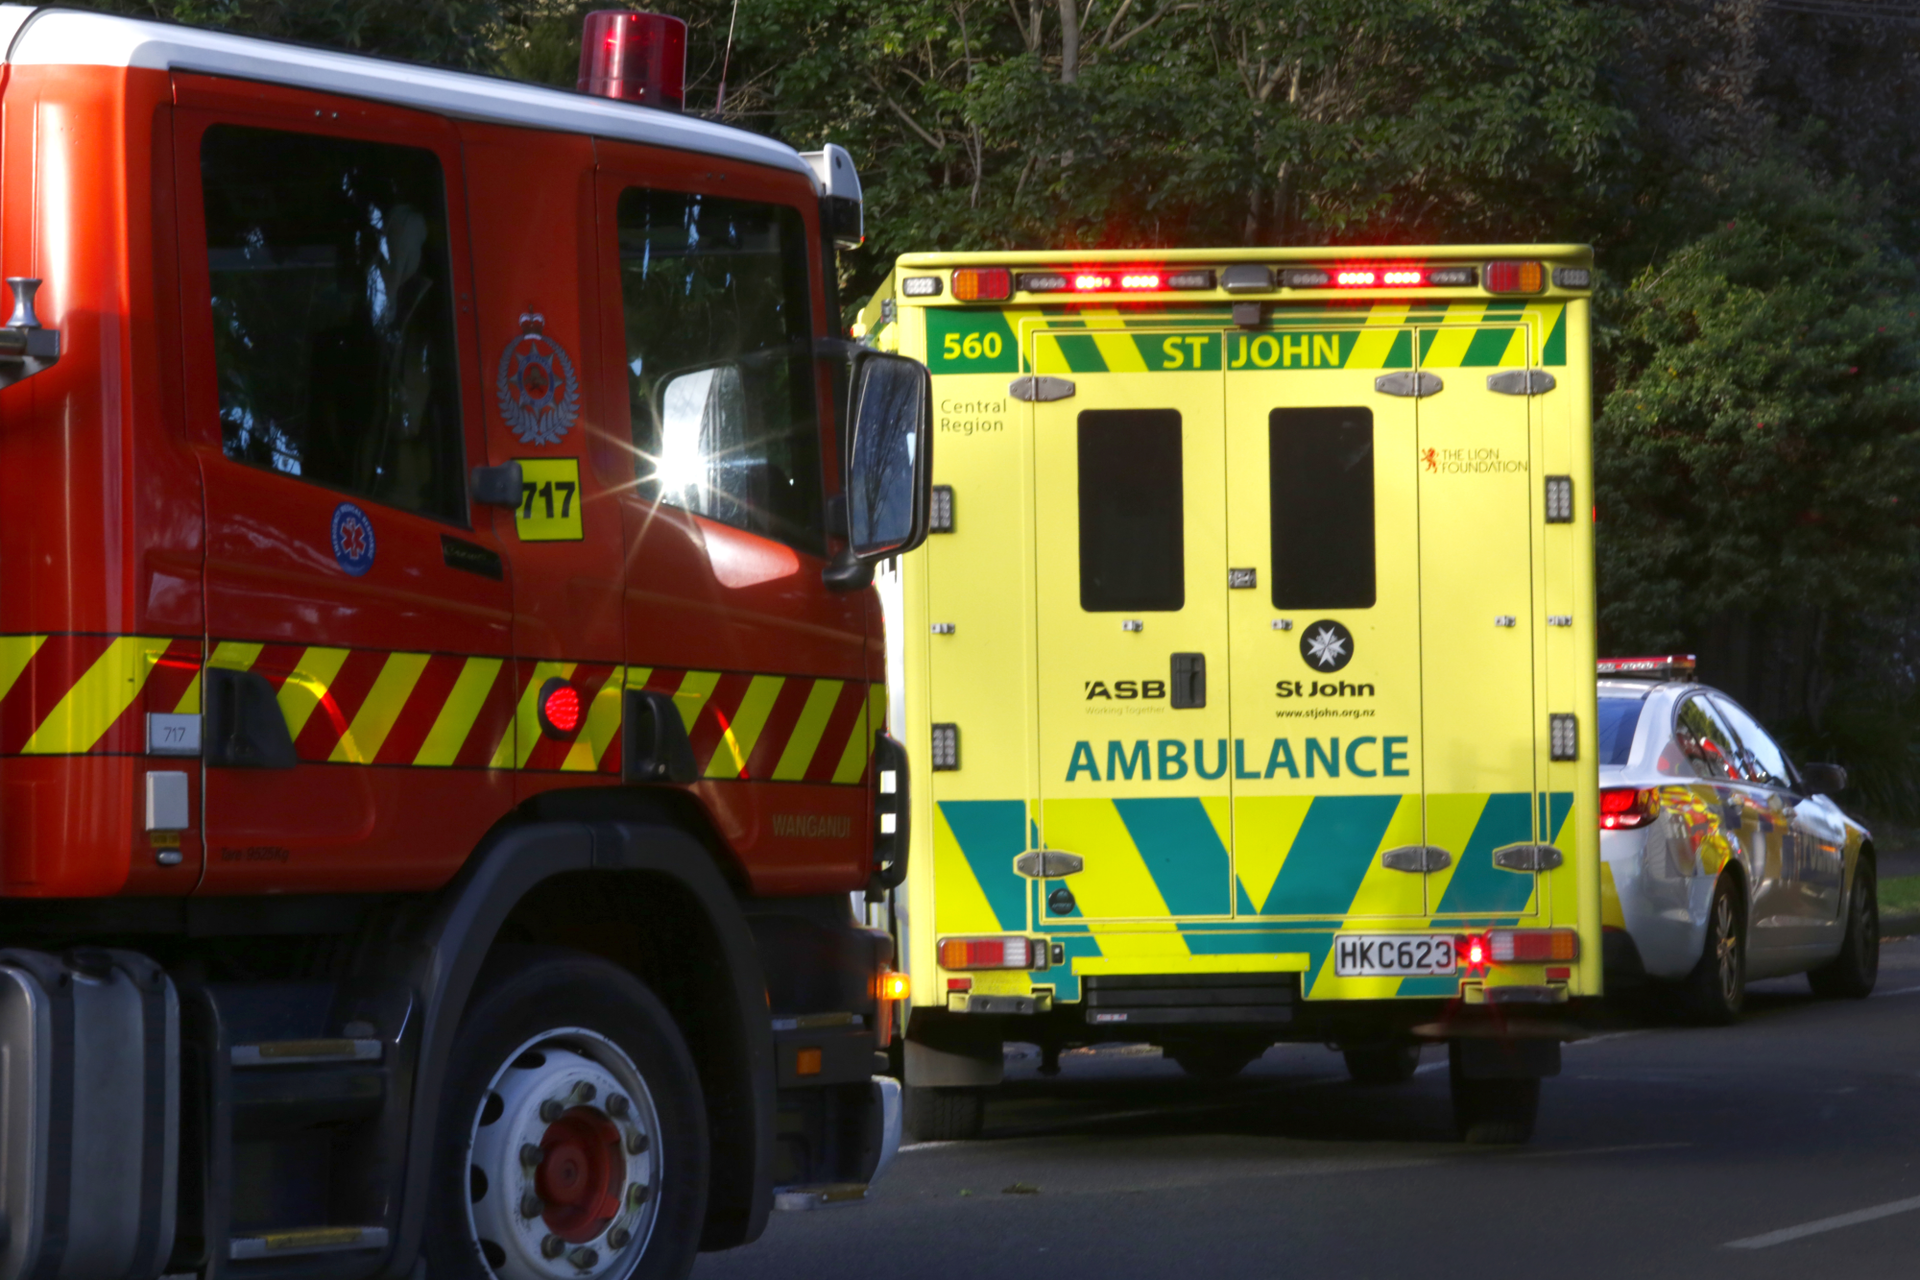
(654, 746)
(1049, 864)
(1040, 387)
(1528, 857)
(1408, 383)
(26, 346)
(1418, 858)
(1520, 382)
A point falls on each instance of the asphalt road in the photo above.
(1785, 1146)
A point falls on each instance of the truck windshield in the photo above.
(1619, 717)
(720, 369)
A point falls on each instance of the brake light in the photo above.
(1626, 807)
(986, 953)
(982, 284)
(1473, 953)
(1532, 946)
(634, 57)
(1516, 277)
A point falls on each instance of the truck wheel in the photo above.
(1383, 1063)
(935, 1114)
(1851, 974)
(1713, 994)
(573, 1138)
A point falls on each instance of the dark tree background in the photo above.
(1749, 173)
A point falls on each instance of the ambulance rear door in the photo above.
(1130, 541)
(1325, 608)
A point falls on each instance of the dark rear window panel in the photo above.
(1320, 464)
(1619, 718)
(1133, 551)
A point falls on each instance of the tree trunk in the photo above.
(1069, 41)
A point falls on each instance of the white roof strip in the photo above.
(64, 37)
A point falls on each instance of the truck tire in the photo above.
(1489, 1112)
(936, 1114)
(1381, 1064)
(1714, 993)
(1851, 974)
(572, 1127)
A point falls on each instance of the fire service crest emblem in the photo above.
(539, 393)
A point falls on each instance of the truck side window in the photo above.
(1132, 512)
(333, 314)
(1320, 464)
(720, 365)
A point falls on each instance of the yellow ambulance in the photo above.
(1250, 663)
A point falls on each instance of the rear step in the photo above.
(1223, 998)
(303, 1240)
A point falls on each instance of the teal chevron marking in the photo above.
(1331, 855)
(1559, 806)
(1487, 347)
(1554, 351)
(1478, 885)
(1182, 852)
(1243, 905)
(990, 833)
(1431, 986)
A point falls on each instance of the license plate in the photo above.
(1392, 955)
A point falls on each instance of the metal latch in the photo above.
(26, 347)
(1040, 387)
(1416, 857)
(1520, 382)
(1528, 857)
(1048, 864)
(1408, 383)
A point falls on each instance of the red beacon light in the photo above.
(634, 57)
(560, 708)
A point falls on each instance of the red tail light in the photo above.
(634, 57)
(982, 284)
(990, 953)
(1623, 807)
(1473, 952)
(1533, 946)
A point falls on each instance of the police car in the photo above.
(1722, 862)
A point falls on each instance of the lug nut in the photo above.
(531, 1206)
(551, 1109)
(618, 1238)
(583, 1092)
(637, 1193)
(583, 1258)
(552, 1247)
(617, 1105)
(637, 1143)
(531, 1155)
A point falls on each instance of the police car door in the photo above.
(1129, 526)
(1480, 530)
(1324, 559)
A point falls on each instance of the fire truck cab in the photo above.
(441, 689)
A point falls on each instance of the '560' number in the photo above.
(972, 346)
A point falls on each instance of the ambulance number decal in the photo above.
(970, 342)
(549, 509)
(1393, 955)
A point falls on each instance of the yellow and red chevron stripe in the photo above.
(86, 694)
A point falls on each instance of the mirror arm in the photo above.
(847, 572)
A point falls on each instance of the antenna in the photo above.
(720, 98)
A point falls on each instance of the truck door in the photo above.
(348, 579)
(1130, 546)
(1324, 562)
(1481, 725)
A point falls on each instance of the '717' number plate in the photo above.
(1392, 955)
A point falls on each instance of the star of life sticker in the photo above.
(1326, 645)
(539, 393)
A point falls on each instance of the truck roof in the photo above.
(68, 37)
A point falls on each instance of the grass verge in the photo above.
(1900, 893)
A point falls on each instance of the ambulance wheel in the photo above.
(1714, 993)
(1493, 1112)
(1851, 974)
(1392, 1063)
(572, 1130)
(1214, 1059)
(945, 1114)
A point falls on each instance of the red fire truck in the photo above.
(440, 693)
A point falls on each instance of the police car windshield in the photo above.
(1619, 716)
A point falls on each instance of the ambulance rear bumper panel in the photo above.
(1220, 999)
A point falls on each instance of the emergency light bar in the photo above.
(1115, 280)
(634, 57)
(997, 284)
(1672, 666)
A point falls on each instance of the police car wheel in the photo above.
(1381, 1064)
(1494, 1112)
(944, 1114)
(1714, 993)
(572, 1141)
(1852, 973)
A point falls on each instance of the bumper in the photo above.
(1664, 896)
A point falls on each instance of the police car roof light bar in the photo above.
(634, 57)
(1670, 666)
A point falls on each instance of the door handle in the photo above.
(244, 727)
(497, 486)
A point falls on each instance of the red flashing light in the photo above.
(1087, 282)
(1356, 279)
(1473, 952)
(1625, 807)
(634, 57)
(560, 710)
(1140, 280)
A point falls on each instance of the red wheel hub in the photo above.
(582, 1174)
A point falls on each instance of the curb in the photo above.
(1900, 924)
